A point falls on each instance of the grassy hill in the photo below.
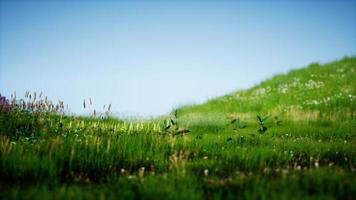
(328, 89)
(319, 93)
(216, 150)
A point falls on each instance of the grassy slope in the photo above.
(327, 89)
(319, 93)
(310, 154)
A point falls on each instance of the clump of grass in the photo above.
(30, 116)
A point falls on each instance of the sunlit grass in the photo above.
(308, 149)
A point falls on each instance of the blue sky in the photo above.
(146, 58)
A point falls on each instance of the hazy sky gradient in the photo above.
(148, 57)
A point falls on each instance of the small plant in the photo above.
(171, 126)
(262, 120)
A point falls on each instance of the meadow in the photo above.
(290, 137)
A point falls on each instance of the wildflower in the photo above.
(206, 172)
(296, 82)
(316, 164)
(141, 172)
(283, 88)
(262, 91)
(311, 84)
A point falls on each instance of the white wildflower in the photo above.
(283, 88)
(295, 82)
(206, 172)
(311, 84)
(262, 91)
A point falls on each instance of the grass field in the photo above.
(305, 149)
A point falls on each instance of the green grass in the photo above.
(308, 152)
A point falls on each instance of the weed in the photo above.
(262, 121)
(172, 128)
